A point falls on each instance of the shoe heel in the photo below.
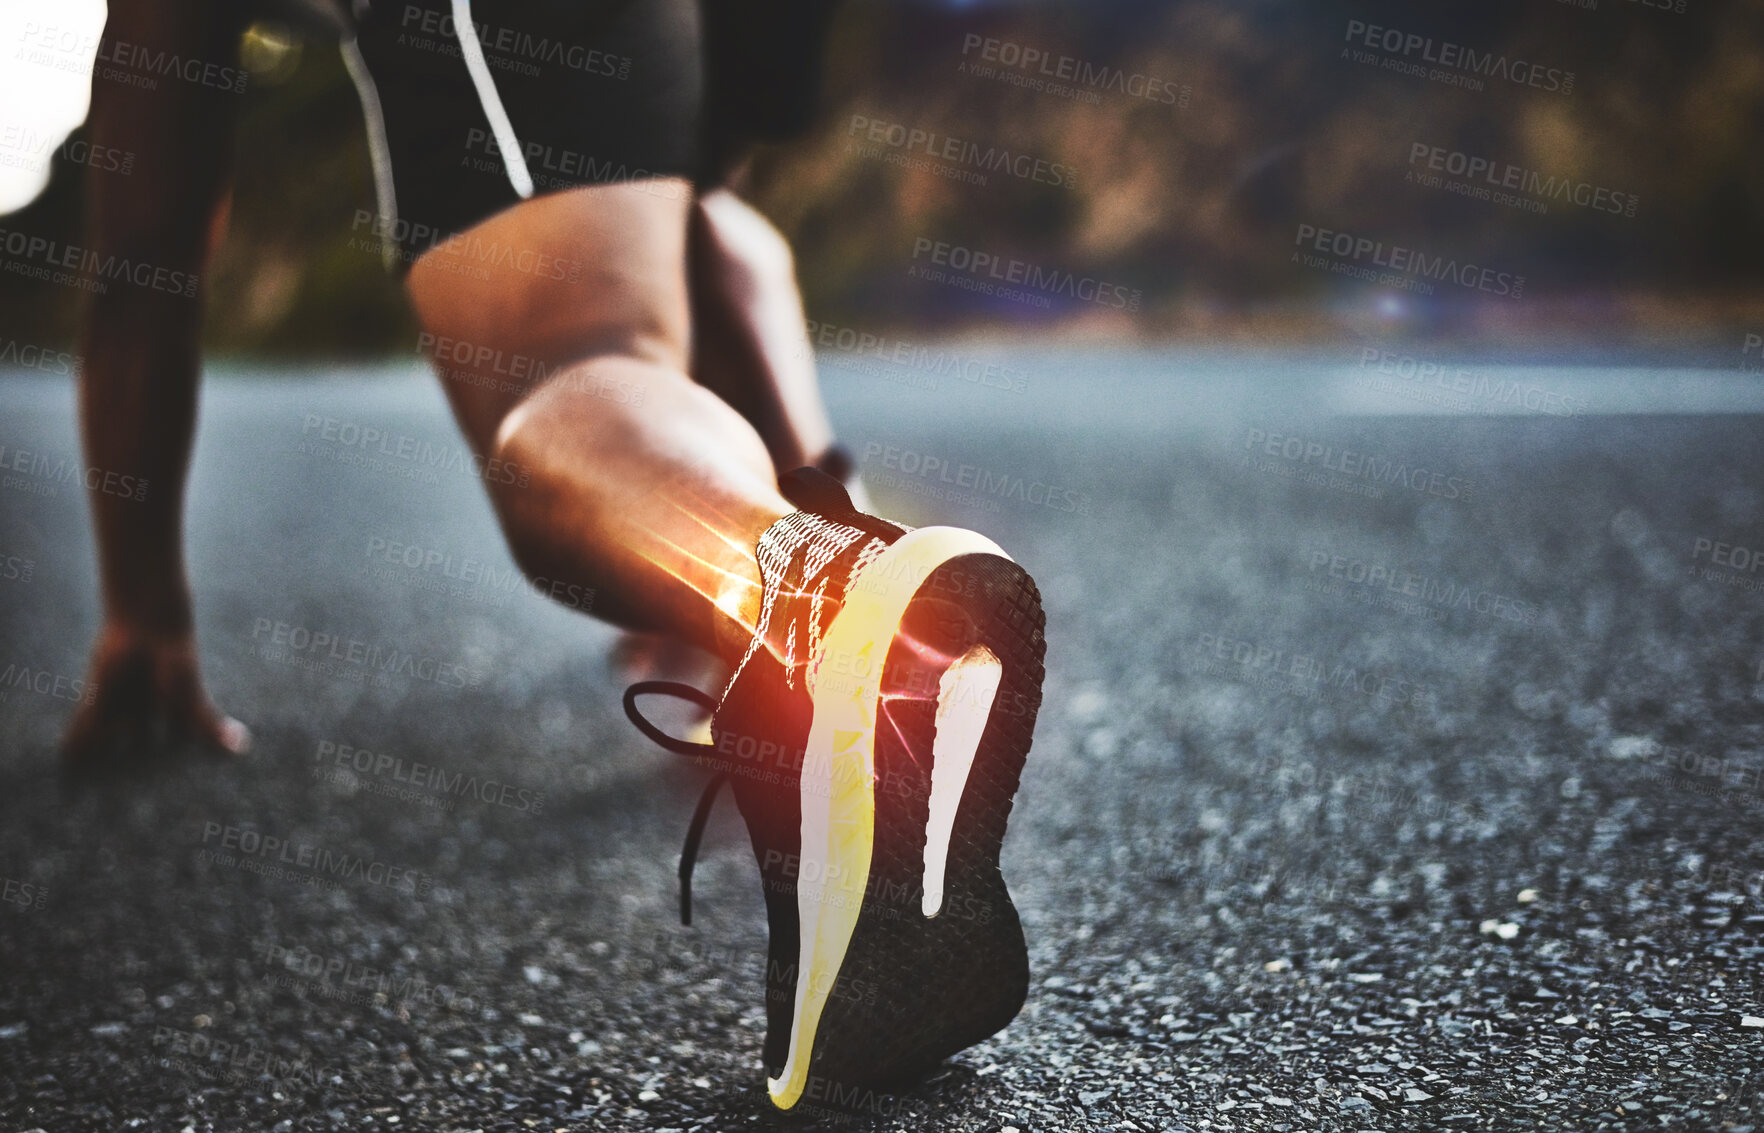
(918, 985)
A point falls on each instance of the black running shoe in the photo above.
(874, 735)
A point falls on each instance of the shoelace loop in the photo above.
(700, 816)
(669, 688)
(812, 490)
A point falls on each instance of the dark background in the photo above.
(1197, 206)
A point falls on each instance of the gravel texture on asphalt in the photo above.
(1409, 785)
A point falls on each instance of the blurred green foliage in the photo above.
(1195, 205)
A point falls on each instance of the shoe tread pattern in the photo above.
(914, 990)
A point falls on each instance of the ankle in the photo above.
(735, 611)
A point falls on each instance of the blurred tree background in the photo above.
(1195, 204)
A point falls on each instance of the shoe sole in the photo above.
(941, 630)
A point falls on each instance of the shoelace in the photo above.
(701, 815)
(811, 490)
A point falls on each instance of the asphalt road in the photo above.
(1396, 772)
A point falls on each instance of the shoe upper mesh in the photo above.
(819, 542)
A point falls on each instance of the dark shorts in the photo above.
(543, 95)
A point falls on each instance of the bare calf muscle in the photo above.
(644, 485)
(750, 335)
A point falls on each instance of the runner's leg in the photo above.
(628, 476)
(751, 344)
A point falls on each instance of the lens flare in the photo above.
(727, 579)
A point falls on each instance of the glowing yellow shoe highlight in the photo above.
(838, 791)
